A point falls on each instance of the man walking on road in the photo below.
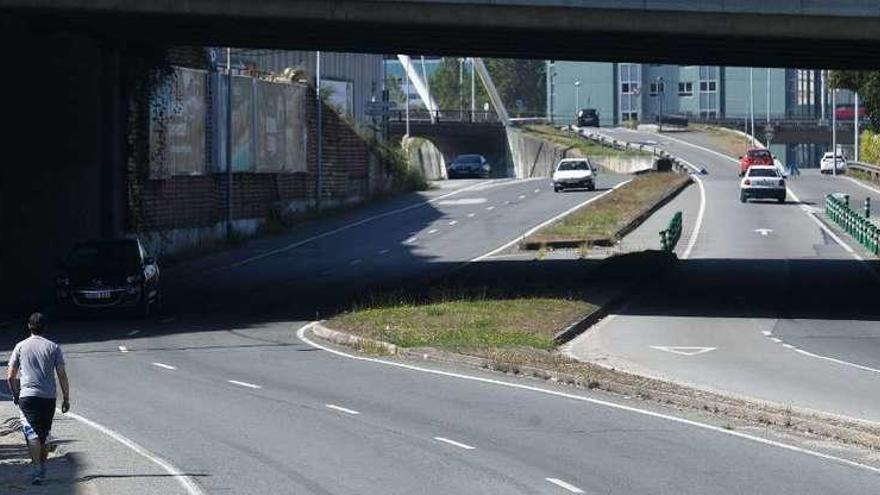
(36, 359)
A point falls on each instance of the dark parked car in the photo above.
(588, 117)
(469, 166)
(105, 274)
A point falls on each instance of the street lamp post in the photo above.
(577, 95)
(228, 143)
(834, 131)
(660, 91)
(752, 102)
(856, 128)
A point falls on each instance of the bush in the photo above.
(869, 147)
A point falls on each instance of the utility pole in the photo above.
(834, 131)
(856, 129)
(406, 76)
(822, 95)
(768, 97)
(228, 143)
(460, 87)
(473, 89)
(577, 96)
(752, 102)
(320, 145)
(659, 83)
(548, 67)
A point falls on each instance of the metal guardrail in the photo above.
(658, 153)
(872, 171)
(670, 236)
(856, 225)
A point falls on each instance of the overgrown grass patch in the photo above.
(727, 141)
(605, 217)
(572, 140)
(471, 323)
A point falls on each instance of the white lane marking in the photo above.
(683, 350)
(562, 484)
(133, 333)
(344, 228)
(323, 274)
(341, 409)
(168, 320)
(543, 224)
(166, 366)
(411, 240)
(838, 361)
(490, 208)
(462, 202)
(300, 333)
(763, 232)
(355, 261)
(522, 196)
(453, 442)
(122, 348)
(384, 251)
(788, 346)
(536, 191)
(243, 384)
(185, 481)
(507, 202)
(471, 215)
(767, 332)
(774, 339)
(453, 222)
(433, 231)
(862, 184)
(692, 241)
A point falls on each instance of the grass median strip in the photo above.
(608, 218)
(467, 324)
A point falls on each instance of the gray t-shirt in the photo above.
(37, 358)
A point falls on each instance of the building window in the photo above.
(624, 88)
(685, 89)
(630, 116)
(653, 89)
(806, 87)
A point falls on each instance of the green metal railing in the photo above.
(669, 237)
(857, 225)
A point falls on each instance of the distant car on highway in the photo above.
(848, 112)
(588, 117)
(575, 173)
(762, 182)
(753, 157)
(108, 274)
(469, 166)
(828, 163)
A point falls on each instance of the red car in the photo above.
(754, 156)
(848, 112)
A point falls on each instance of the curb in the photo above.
(815, 424)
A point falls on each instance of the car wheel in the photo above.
(781, 199)
(743, 198)
(591, 187)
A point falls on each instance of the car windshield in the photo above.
(759, 154)
(110, 254)
(763, 172)
(574, 165)
(468, 159)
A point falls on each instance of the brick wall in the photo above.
(198, 201)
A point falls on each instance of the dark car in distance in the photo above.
(469, 166)
(588, 117)
(108, 274)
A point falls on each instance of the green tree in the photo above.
(395, 92)
(520, 83)
(867, 85)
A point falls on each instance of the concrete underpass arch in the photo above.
(453, 139)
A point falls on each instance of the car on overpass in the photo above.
(469, 166)
(588, 117)
(762, 182)
(108, 274)
(829, 163)
(575, 173)
(753, 157)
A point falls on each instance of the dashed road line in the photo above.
(433, 231)
(787, 346)
(165, 366)
(355, 261)
(767, 332)
(774, 339)
(490, 208)
(453, 222)
(244, 384)
(341, 409)
(384, 251)
(133, 333)
(522, 196)
(536, 191)
(456, 444)
(566, 486)
(471, 215)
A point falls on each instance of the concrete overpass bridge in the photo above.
(789, 33)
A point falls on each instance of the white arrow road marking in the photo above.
(453, 442)
(567, 486)
(341, 409)
(683, 350)
(763, 232)
(462, 201)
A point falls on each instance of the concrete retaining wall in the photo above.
(424, 154)
(536, 157)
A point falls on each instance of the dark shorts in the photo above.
(39, 413)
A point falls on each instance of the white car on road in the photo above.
(827, 164)
(762, 182)
(575, 173)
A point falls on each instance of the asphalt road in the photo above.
(770, 305)
(224, 389)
